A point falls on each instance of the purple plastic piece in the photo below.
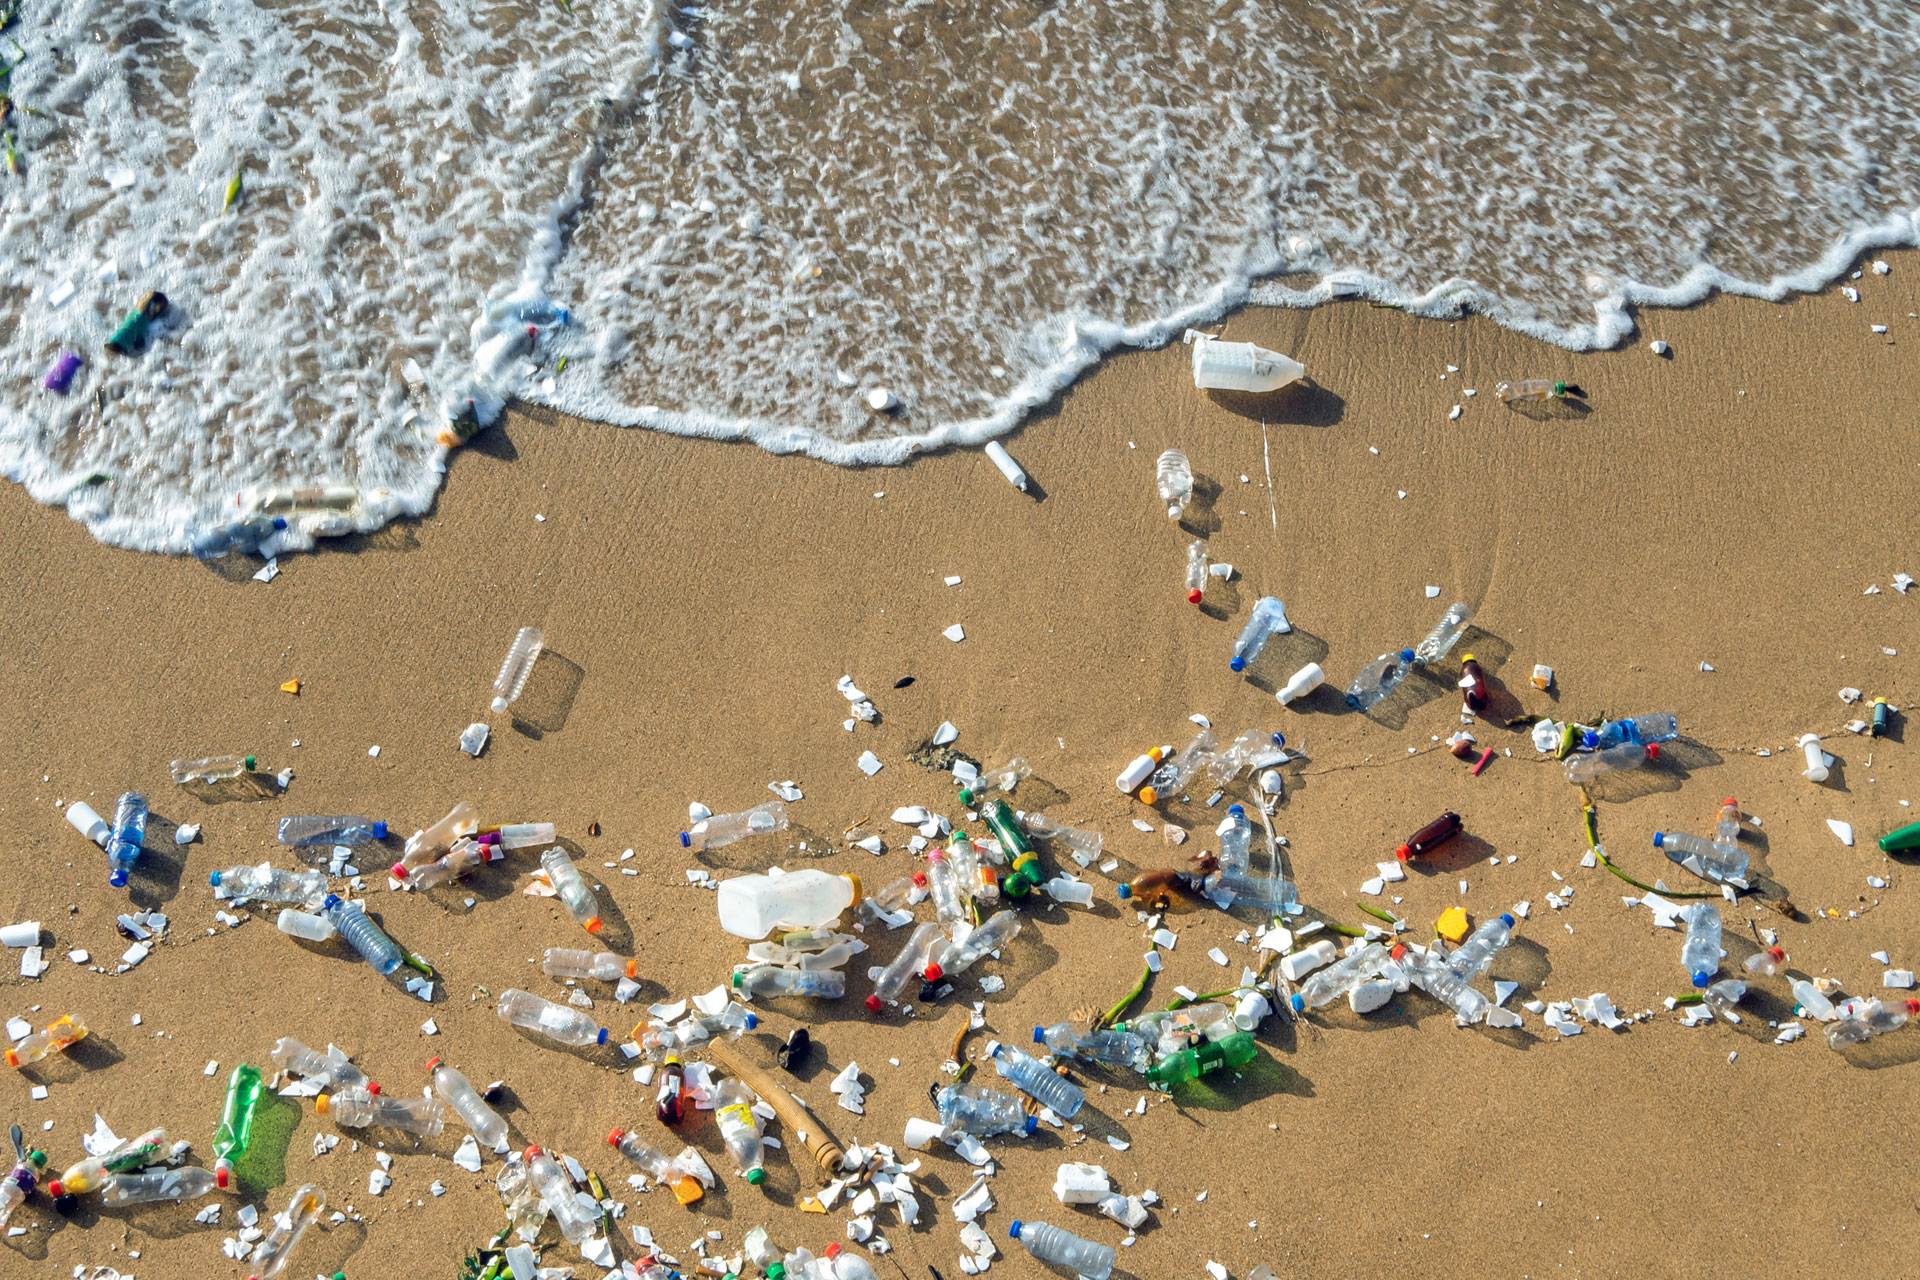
(60, 377)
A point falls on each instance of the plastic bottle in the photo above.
(1718, 861)
(481, 1120)
(1475, 955)
(1000, 929)
(1445, 634)
(1899, 840)
(1343, 975)
(732, 1022)
(725, 828)
(653, 1162)
(1239, 366)
(771, 980)
(1270, 893)
(1862, 1019)
(1817, 769)
(270, 1255)
(210, 769)
(1301, 683)
(1659, 727)
(1172, 1030)
(1473, 683)
(267, 884)
(244, 535)
(189, 1182)
(362, 934)
(1378, 679)
(1236, 1050)
(1051, 1245)
(306, 832)
(1700, 951)
(999, 780)
(892, 898)
(983, 1112)
(329, 1070)
(740, 1128)
(890, 982)
(1430, 973)
(1236, 842)
(1115, 1048)
(1768, 962)
(576, 1222)
(1172, 774)
(358, 1108)
(1628, 755)
(1077, 839)
(28, 1168)
(554, 1021)
(466, 855)
(1430, 837)
(301, 924)
(1024, 874)
(56, 1036)
(669, 1104)
(129, 829)
(1038, 1081)
(841, 1265)
(134, 325)
(1139, 768)
(522, 311)
(1174, 479)
(1268, 619)
(606, 966)
(1253, 749)
(1727, 829)
(753, 906)
(1530, 389)
(1156, 889)
(235, 1132)
(1196, 579)
(521, 655)
(572, 888)
(1812, 1003)
(1882, 714)
(92, 1173)
(522, 835)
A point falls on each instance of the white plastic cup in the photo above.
(24, 934)
(82, 818)
(1250, 1010)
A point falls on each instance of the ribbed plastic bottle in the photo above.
(92, 1173)
(1445, 634)
(189, 1182)
(771, 980)
(129, 830)
(210, 768)
(1114, 1048)
(265, 883)
(1660, 727)
(1475, 955)
(1431, 974)
(1196, 576)
(1076, 839)
(999, 929)
(654, 1163)
(270, 1255)
(724, 828)
(359, 1108)
(983, 1112)
(1628, 755)
(576, 1222)
(1173, 478)
(1051, 1245)
(305, 832)
(1038, 1081)
(891, 981)
(362, 934)
(1268, 619)
(1378, 679)
(740, 1128)
(1236, 842)
(1700, 950)
(1000, 780)
(558, 962)
(1718, 861)
(574, 893)
(481, 1120)
(521, 655)
(555, 1021)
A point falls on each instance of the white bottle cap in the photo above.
(82, 818)
(24, 934)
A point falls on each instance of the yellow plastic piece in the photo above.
(292, 687)
(1452, 924)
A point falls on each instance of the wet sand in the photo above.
(1728, 505)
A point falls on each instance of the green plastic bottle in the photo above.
(1906, 838)
(1237, 1050)
(1024, 877)
(135, 326)
(230, 1140)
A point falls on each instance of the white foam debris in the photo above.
(955, 633)
(1842, 831)
(945, 733)
(869, 763)
(186, 833)
(473, 739)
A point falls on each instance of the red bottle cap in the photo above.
(530, 1153)
(373, 1086)
(1653, 751)
(933, 973)
(431, 1064)
(873, 1004)
(919, 879)
(399, 871)
(1193, 596)
(1777, 953)
(1404, 852)
(56, 1188)
(613, 1139)
(1729, 803)
(834, 1250)
(1913, 1005)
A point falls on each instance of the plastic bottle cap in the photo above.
(933, 973)
(1777, 953)
(431, 1064)
(379, 828)
(1406, 655)
(1238, 664)
(118, 879)
(1659, 839)
(1039, 1035)
(756, 1176)
(1913, 1005)
(399, 871)
(632, 965)
(1126, 891)
(1404, 853)
(593, 925)
(56, 1188)
(332, 901)
(873, 1004)
(373, 1086)
(834, 1250)
(1193, 596)
(1653, 751)
(919, 879)
(1033, 1122)
(213, 877)
(1701, 979)
(1507, 916)
(1013, 1229)
(248, 762)
(1729, 803)
(1589, 738)
(736, 980)
(1299, 1005)
(686, 839)
(1148, 795)
(776, 1271)
(603, 1036)
(530, 1153)
(320, 1104)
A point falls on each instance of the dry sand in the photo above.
(1728, 505)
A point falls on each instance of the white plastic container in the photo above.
(302, 924)
(82, 818)
(754, 906)
(1306, 960)
(1239, 366)
(1081, 1184)
(1303, 682)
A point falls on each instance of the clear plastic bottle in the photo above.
(1628, 755)
(1076, 839)
(1237, 1050)
(189, 1182)
(270, 1255)
(1051, 1245)
(358, 1108)
(724, 828)
(1343, 975)
(362, 934)
(466, 855)
(1000, 780)
(1173, 773)
(523, 311)
(1000, 929)
(983, 1112)
(28, 1168)
(1767, 963)
(740, 1128)
(1700, 950)
(575, 895)
(1812, 1003)
(1235, 833)
(892, 898)
(265, 883)
(481, 1120)
(129, 830)
(306, 832)
(771, 980)
(1268, 619)
(1445, 634)
(92, 1173)
(1475, 955)
(302, 924)
(890, 982)
(1172, 1030)
(235, 535)
(1114, 1048)
(1196, 579)
(841, 1265)
(753, 906)
(57, 1035)
(1862, 1019)
(1378, 679)
(521, 655)
(548, 1176)
(426, 845)
(944, 886)
(1174, 479)
(523, 835)
(555, 1021)
(653, 1162)
(1658, 727)
(605, 966)
(1431, 974)
(1530, 389)
(972, 877)
(210, 769)
(1727, 829)
(1038, 1081)
(329, 1070)
(1253, 749)
(1718, 861)
(1269, 892)
(234, 1135)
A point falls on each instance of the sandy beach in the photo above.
(1726, 505)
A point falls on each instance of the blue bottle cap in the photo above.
(1659, 839)
(214, 878)
(1013, 1229)
(332, 901)
(1299, 1005)
(1279, 739)
(753, 1020)
(1702, 979)
(1589, 739)
(686, 839)
(1126, 891)
(1238, 664)
(1033, 1122)
(1406, 655)
(118, 879)
(379, 831)
(279, 523)
(1236, 811)
(603, 1036)
(1508, 917)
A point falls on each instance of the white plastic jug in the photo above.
(754, 906)
(1239, 366)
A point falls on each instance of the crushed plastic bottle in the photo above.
(329, 1070)
(1268, 619)
(555, 1021)
(1430, 837)
(307, 832)
(1863, 1018)
(1767, 962)
(972, 876)
(210, 769)
(1196, 578)
(266, 884)
(429, 844)
(659, 1041)
(983, 1112)
(270, 1255)
(362, 934)
(999, 780)
(358, 1108)
(1340, 977)
(1659, 727)
(1475, 955)
(481, 1120)
(516, 311)
(892, 898)
(57, 1035)
(558, 962)
(93, 1172)
(771, 980)
(129, 830)
(521, 655)
(740, 1129)
(1236, 1050)
(1700, 950)
(1173, 477)
(1530, 389)
(753, 906)
(301, 924)
(572, 889)
(1378, 679)
(1156, 890)
(466, 856)
(1432, 975)
(189, 1182)
(1167, 780)
(1075, 839)
(724, 828)
(243, 535)
(235, 1132)
(891, 982)
(1628, 755)
(1445, 634)
(653, 1162)
(1172, 1030)
(576, 1222)
(1253, 749)
(1717, 861)
(1000, 929)
(1051, 1245)
(1038, 1081)
(1114, 1048)
(943, 884)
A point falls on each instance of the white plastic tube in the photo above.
(1816, 770)
(1008, 467)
